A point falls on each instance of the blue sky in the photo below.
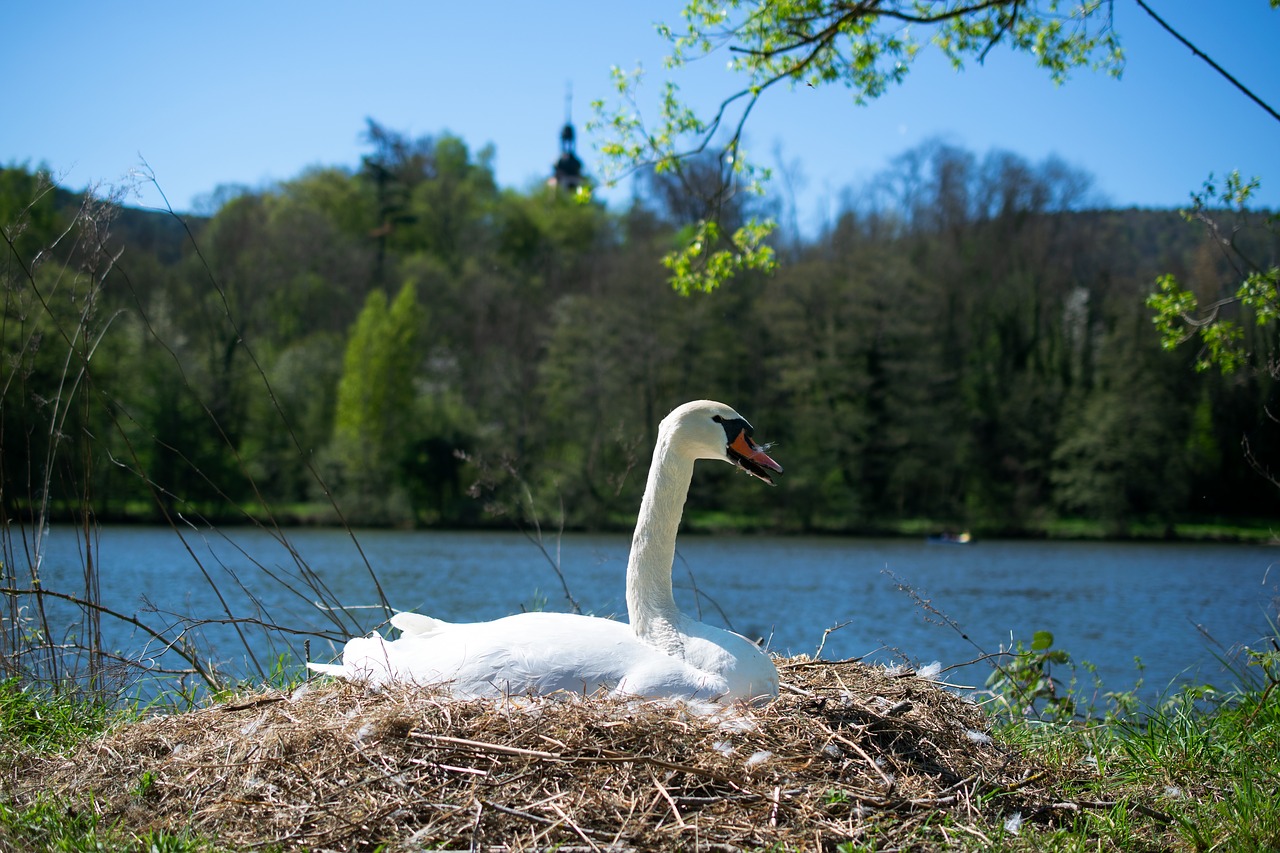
(250, 93)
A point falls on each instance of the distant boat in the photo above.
(951, 538)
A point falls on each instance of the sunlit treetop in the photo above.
(866, 46)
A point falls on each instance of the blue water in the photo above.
(1178, 607)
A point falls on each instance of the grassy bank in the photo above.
(302, 514)
(1245, 530)
(849, 758)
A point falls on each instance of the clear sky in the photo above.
(249, 93)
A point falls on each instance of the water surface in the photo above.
(1175, 606)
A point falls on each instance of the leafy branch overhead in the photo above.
(1220, 322)
(1179, 314)
(866, 46)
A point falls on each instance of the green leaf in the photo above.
(1041, 640)
(706, 261)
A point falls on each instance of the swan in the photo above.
(662, 653)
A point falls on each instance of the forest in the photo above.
(405, 343)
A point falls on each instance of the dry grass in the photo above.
(847, 753)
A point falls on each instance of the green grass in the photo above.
(1205, 530)
(43, 722)
(1261, 531)
(48, 825)
(1200, 772)
(33, 722)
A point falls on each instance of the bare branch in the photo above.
(1215, 66)
(175, 644)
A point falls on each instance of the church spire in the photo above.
(567, 173)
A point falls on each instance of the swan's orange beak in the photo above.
(750, 457)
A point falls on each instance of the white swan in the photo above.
(662, 653)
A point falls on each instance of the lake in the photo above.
(1175, 606)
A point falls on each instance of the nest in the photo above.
(847, 753)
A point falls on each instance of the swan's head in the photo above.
(706, 429)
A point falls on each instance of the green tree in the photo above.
(28, 215)
(1121, 458)
(318, 258)
(53, 322)
(286, 427)
(376, 393)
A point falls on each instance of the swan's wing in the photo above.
(529, 653)
(585, 655)
(665, 677)
(746, 670)
(535, 653)
(417, 625)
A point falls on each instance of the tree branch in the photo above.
(1215, 66)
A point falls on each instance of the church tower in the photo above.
(567, 173)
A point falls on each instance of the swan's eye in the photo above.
(717, 419)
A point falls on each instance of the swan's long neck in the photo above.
(650, 605)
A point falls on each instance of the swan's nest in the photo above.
(847, 753)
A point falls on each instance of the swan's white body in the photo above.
(662, 653)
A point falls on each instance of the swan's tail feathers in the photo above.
(365, 660)
(327, 668)
(417, 625)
